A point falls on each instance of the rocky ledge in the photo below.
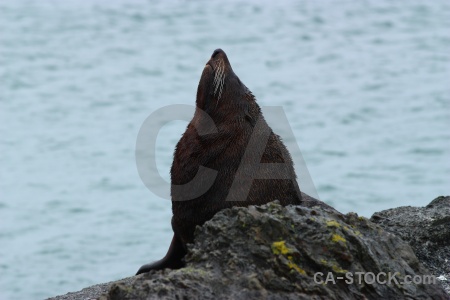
(277, 252)
(427, 230)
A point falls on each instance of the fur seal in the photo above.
(234, 110)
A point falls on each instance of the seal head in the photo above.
(221, 93)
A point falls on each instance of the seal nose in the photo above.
(217, 51)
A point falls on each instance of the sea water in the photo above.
(365, 86)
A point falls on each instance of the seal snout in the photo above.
(219, 57)
(216, 52)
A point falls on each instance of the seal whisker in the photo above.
(219, 79)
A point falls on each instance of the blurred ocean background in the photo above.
(365, 86)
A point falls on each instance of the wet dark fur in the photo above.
(235, 113)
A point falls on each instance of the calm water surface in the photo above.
(365, 86)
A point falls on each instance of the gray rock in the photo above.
(92, 292)
(273, 252)
(427, 230)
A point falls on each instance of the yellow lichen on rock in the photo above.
(334, 266)
(337, 269)
(333, 223)
(297, 268)
(337, 238)
(280, 248)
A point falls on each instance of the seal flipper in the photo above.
(172, 260)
